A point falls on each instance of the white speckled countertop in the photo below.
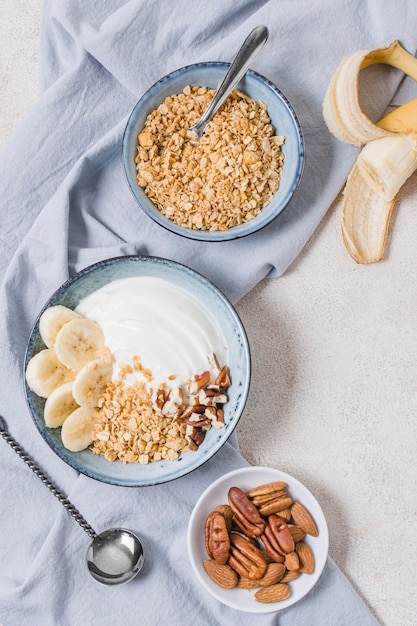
(333, 399)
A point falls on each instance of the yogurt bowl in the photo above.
(171, 320)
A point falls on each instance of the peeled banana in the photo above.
(388, 158)
(364, 223)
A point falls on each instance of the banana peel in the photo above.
(388, 158)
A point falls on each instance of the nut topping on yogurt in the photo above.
(134, 423)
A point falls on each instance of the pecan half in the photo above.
(245, 514)
(282, 533)
(217, 538)
(271, 546)
(245, 557)
(277, 539)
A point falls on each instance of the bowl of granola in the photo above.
(230, 183)
(137, 370)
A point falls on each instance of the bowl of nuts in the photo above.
(257, 540)
(137, 370)
(233, 181)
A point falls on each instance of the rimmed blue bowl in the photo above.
(219, 309)
(282, 116)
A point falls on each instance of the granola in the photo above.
(219, 181)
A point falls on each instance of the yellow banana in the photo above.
(388, 158)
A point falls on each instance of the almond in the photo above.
(267, 497)
(227, 513)
(306, 557)
(274, 573)
(285, 514)
(247, 583)
(222, 575)
(303, 519)
(292, 562)
(275, 506)
(297, 533)
(273, 593)
(266, 488)
(289, 576)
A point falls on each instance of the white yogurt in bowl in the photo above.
(162, 324)
(171, 318)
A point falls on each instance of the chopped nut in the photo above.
(140, 425)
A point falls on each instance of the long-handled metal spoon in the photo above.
(114, 556)
(252, 45)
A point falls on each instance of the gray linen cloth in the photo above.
(65, 204)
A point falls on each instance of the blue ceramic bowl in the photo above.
(236, 343)
(282, 116)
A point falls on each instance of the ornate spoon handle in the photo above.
(51, 486)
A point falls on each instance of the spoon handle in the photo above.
(249, 49)
(53, 488)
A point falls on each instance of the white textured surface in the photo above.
(334, 390)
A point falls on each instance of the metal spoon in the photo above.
(114, 556)
(252, 45)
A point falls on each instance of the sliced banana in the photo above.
(90, 382)
(45, 373)
(79, 341)
(52, 320)
(77, 430)
(59, 405)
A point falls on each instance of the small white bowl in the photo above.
(283, 118)
(247, 478)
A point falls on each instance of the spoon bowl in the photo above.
(115, 556)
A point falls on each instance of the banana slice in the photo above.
(52, 320)
(79, 341)
(90, 382)
(45, 373)
(77, 430)
(59, 405)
